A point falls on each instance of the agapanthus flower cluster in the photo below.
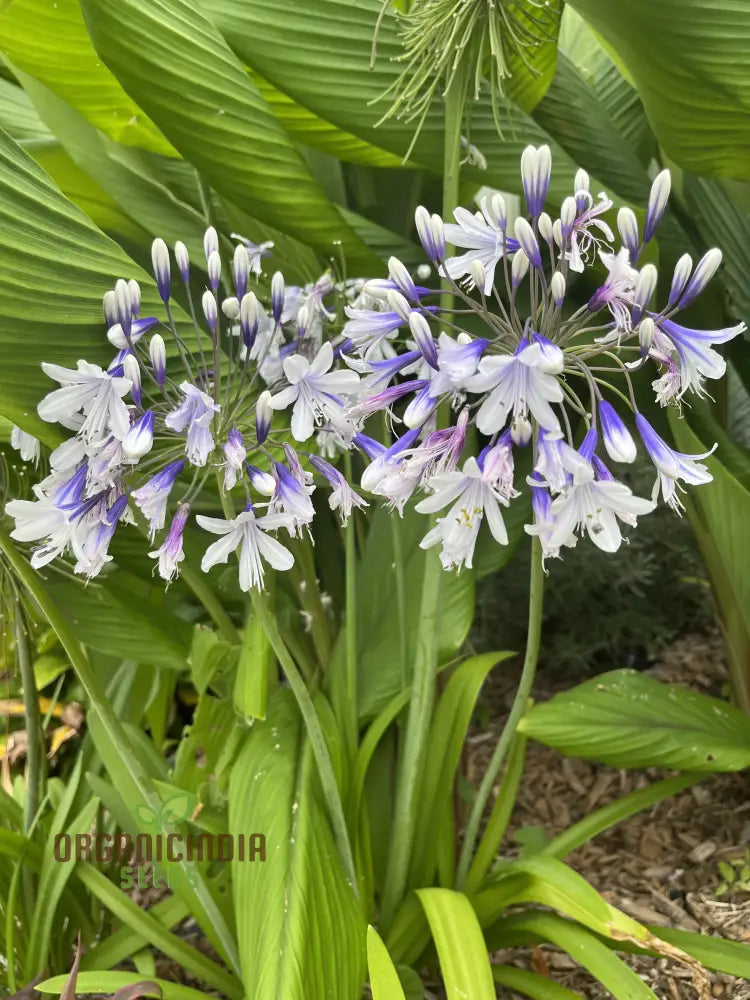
(493, 363)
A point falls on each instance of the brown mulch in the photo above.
(660, 866)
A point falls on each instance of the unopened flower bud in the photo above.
(241, 267)
(160, 262)
(478, 275)
(303, 319)
(210, 310)
(495, 211)
(110, 307)
(157, 352)
(581, 190)
(210, 242)
(568, 215)
(644, 288)
(134, 289)
(645, 335)
(627, 226)
(557, 289)
(140, 438)
(424, 271)
(545, 227)
(398, 304)
(277, 295)
(250, 314)
(261, 481)
(231, 307)
(124, 308)
(420, 330)
(682, 271)
(536, 165)
(132, 370)
(527, 239)
(263, 416)
(214, 270)
(182, 257)
(657, 202)
(399, 274)
(617, 439)
(557, 233)
(705, 269)
(519, 268)
(431, 233)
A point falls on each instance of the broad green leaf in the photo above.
(50, 42)
(208, 654)
(206, 104)
(55, 266)
(307, 939)
(627, 719)
(141, 628)
(379, 666)
(306, 128)
(689, 60)
(582, 946)
(448, 733)
(732, 957)
(18, 117)
(531, 984)
(318, 53)
(108, 982)
(384, 981)
(460, 945)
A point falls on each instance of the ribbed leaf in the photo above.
(627, 719)
(384, 981)
(690, 60)
(318, 52)
(300, 933)
(50, 41)
(208, 107)
(55, 266)
(18, 117)
(460, 945)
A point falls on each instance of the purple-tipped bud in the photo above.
(134, 290)
(557, 289)
(235, 454)
(705, 269)
(657, 202)
(140, 438)
(581, 190)
(536, 165)
(210, 242)
(250, 314)
(262, 482)
(170, 553)
(132, 370)
(627, 226)
(263, 416)
(568, 215)
(618, 441)
(645, 286)
(210, 310)
(241, 266)
(303, 320)
(423, 338)
(110, 307)
(398, 304)
(519, 268)
(124, 306)
(527, 239)
(157, 352)
(544, 225)
(495, 211)
(431, 233)
(401, 277)
(213, 266)
(682, 271)
(557, 233)
(182, 257)
(278, 289)
(162, 273)
(117, 338)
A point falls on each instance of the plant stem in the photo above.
(398, 572)
(314, 732)
(34, 731)
(206, 595)
(411, 762)
(350, 561)
(533, 639)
